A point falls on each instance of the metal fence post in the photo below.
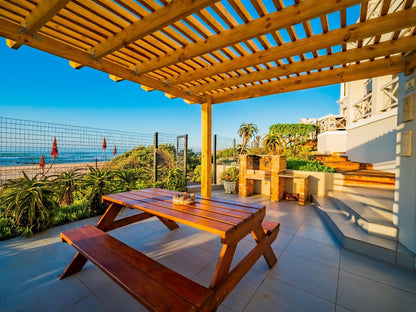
(214, 154)
(185, 156)
(155, 152)
(234, 148)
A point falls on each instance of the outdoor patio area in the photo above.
(313, 272)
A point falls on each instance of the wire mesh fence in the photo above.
(24, 142)
(226, 147)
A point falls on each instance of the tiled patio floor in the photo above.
(313, 272)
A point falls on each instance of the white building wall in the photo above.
(405, 196)
(332, 142)
(373, 140)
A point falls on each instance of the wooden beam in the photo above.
(75, 65)
(410, 64)
(369, 69)
(155, 21)
(44, 11)
(116, 78)
(47, 44)
(283, 18)
(386, 48)
(370, 28)
(147, 89)
(170, 96)
(206, 132)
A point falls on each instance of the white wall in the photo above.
(373, 140)
(332, 142)
(405, 196)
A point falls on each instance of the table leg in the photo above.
(223, 264)
(171, 225)
(268, 253)
(105, 222)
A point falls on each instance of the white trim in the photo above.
(332, 133)
(378, 117)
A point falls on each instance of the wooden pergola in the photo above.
(211, 52)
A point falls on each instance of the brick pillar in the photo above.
(277, 184)
(245, 186)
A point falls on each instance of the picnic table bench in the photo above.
(157, 287)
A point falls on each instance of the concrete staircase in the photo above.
(358, 174)
(362, 220)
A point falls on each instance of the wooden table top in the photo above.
(218, 216)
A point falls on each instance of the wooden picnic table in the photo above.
(157, 287)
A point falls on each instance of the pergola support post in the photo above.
(206, 132)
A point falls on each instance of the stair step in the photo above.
(375, 217)
(352, 237)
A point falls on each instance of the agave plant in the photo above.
(67, 183)
(98, 182)
(30, 202)
(126, 179)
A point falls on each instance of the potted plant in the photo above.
(230, 178)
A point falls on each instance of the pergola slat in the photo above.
(149, 24)
(363, 70)
(351, 33)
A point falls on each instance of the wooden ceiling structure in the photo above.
(211, 52)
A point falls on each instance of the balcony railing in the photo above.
(362, 108)
(389, 90)
(332, 123)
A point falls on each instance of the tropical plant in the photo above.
(175, 180)
(98, 182)
(273, 142)
(126, 179)
(29, 202)
(230, 175)
(247, 131)
(67, 183)
(196, 176)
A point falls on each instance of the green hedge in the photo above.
(307, 165)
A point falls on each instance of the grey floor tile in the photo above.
(320, 234)
(314, 250)
(92, 277)
(361, 294)
(114, 298)
(89, 304)
(274, 295)
(53, 295)
(31, 274)
(313, 277)
(378, 270)
(339, 308)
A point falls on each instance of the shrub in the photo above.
(175, 180)
(307, 165)
(230, 175)
(66, 184)
(196, 176)
(29, 202)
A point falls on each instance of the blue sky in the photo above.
(38, 86)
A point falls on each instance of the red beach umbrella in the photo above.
(54, 152)
(42, 162)
(115, 151)
(104, 144)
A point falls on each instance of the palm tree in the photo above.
(67, 183)
(247, 131)
(31, 203)
(273, 142)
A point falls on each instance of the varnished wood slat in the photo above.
(400, 45)
(154, 285)
(351, 33)
(160, 18)
(284, 18)
(363, 70)
(159, 201)
(40, 15)
(208, 225)
(209, 205)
